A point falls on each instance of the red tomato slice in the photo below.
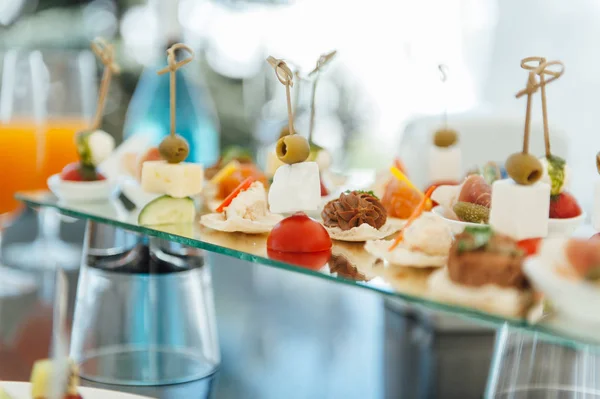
(309, 260)
(243, 186)
(530, 246)
(72, 172)
(300, 234)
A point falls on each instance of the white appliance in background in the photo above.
(483, 136)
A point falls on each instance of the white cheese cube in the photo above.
(295, 188)
(179, 180)
(520, 211)
(273, 163)
(596, 207)
(445, 163)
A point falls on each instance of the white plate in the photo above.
(576, 300)
(556, 227)
(79, 191)
(22, 390)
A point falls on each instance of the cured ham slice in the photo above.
(476, 191)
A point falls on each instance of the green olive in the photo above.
(445, 137)
(292, 149)
(525, 169)
(174, 149)
(598, 162)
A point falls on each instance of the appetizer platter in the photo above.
(529, 197)
(479, 244)
(84, 180)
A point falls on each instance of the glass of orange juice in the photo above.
(19, 129)
(39, 141)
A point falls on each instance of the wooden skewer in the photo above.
(172, 68)
(542, 69)
(321, 62)
(105, 52)
(286, 77)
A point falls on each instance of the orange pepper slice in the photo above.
(416, 213)
(243, 186)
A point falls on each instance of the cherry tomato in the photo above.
(299, 233)
(72, 172)
(309, 260)
(530, 246)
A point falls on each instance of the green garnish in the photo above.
(476, 238)
(371, 193)
(83, 149)
(556, 171)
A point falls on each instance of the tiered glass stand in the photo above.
(349, 265)
(553, 356)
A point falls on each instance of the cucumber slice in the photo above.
(167, 210)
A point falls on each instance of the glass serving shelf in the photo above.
(349, 264)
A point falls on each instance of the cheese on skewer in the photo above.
(295, 187)
(177, 180)
(519, 211)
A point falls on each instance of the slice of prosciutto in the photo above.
(476, 191)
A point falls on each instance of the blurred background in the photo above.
(277, 332)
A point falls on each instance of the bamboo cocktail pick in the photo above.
(174, 148)
(105, 52)
(321, 62)
(445, 137)
(444, 77)
(524, 168)
(542, 68)
(291, 148)
(286, 77)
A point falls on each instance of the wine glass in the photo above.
(63, 98)
(21, 123)
(144, 312)
(527, 366)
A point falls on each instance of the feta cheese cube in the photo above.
(273, 163)
(596, 207)
(445, 163)
(518, 211)
(179, 180)
(295, 188)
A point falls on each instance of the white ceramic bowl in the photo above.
(82, 191)
(456, 226)
(576, 300)
(565, 227)
(556, 227)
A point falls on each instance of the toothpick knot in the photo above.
(105, 52)
(172, 64)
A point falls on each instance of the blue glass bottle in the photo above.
(148, 113)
